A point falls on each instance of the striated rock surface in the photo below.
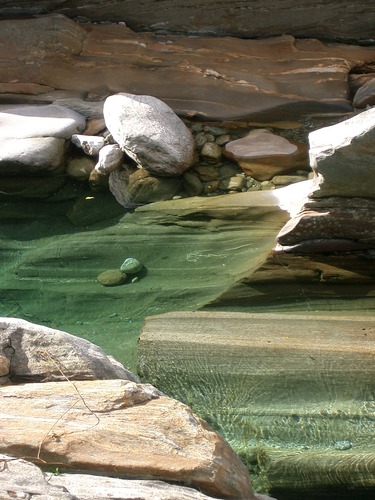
(247, 18)
(338, 214)
(287, 391)
(274, 79)
(150, 133)
(263, 155)
(38, 353)
(117, 425)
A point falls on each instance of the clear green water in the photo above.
(48, 276)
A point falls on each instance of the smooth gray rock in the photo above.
(40, 353)
(30, 156)
(342, 157)
(20, 121)
(150, 133)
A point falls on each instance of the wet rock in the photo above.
(131, 265)
(150, 133)
(131, 187)
(263, 155)
(192, 184)
(112, 277)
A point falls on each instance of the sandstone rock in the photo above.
(111, 157)
(150, 133)
(91, 145)
(112, 277)
(32, 156)
(80, 168)
(365, 95)
(119, 425)
(133, 187)
(342, 157)
(263, 155)
(40, 353)
(23, 122)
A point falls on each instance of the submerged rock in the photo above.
(112, 277)
(131, 265)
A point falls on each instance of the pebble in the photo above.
(112, 277)
(343, 445)
(211, 151)
(131, 265)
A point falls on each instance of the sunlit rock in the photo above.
(150, 133)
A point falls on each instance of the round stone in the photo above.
(131, 265)
(112, 277)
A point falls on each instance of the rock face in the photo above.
(339, 212)
(150, 133)
(342, 157)
(216, 79)
(117, 425)
(263, 155)
(37, 353)
(244, 18)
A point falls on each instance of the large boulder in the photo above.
(38, 353)
(150, 133)
(118, 426)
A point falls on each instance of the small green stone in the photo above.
(112, 277)
(131, 265)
